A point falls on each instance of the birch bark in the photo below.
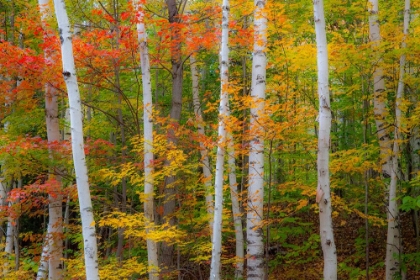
(220, 158)
(76, 125)
(379, 95)
(236, 210)
(148, 142)
(255, 248)
(9, 242)
(8, 249)
(53, 245)
(393, 243)
(323, 189)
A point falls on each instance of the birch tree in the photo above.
(236, 209)
(255, 248)
(77, 144)
(53, 245)
(148, 141)
(8, 248)
(393, 241)
(220, 159)
(379, 94)
(323, 197)
(236, 213)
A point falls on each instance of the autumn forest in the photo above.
(203, 139)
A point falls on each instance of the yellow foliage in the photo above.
(302, 203)
(376, 221)
(136, 226)
(126, 270)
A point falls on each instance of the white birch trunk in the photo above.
(379, 94)
(236, 210)
(255, 248)
(3, 193)
(76, 125)
(148, 143)
(53, 246)
(220, 158)
(8, 249)
(43, 263)
(323, 189)
(10, 232)
(393, 243)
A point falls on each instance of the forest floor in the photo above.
(349, 233)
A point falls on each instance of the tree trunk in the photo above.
(148, 142)
(221, 147)
(8, 249)
(205, 162)
(169, 203)
(53, 250)
(76, 125)
(122, 204)
(393, 243)
(3, 196)
(236, 209)
(379, 94)
(202, 134)
(323, 189)
(255, 248)
(16, 233)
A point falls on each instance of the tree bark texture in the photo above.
(221, 146)
(379, 94)
(76, 126)
(323, 188)
(393, 243)
(54, 243)
(236, 209)
(148, 143)
(255, 248)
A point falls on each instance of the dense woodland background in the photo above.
(106, 52)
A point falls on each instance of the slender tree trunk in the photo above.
(148, 142)
(169, 203)
(3, 203)
(53, 250)
(415, 162)
(379, 94)
(10, 231)
(393, 243)
(221, 147)
(323, 189)
(205, 162)
(123, 202)
(85, 203)
(255, 248)
(236, 209)
(16, 234)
